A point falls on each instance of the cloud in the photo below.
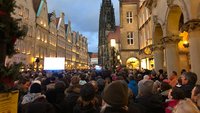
(84, 16)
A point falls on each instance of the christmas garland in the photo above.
(10, 31)
(8, 76)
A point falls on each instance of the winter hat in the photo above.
(60, 86)
(145, 87)
(87, 92)
(116, 94)
(35, 88)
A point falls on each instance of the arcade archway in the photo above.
(133, 63)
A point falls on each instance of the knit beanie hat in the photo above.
(116, 94)
(145, 87)
(87, 92)
(35, 88)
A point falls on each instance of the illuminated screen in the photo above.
(54, 63)
(98, 67)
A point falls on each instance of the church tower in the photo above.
(106, 24)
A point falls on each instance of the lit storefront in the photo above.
(147, 63)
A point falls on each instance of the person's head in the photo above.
(35, 88)
(87, 92)
(60, 86)
(101, 84)
(145, 88)
(189, 78)
(139, 77)
(146, 77)
(107, 80)
(75, 80)
(116, 94)
(156, 87)
(165, 86)
(24, 83)
(131, 77)
(186, 106)
(183, 71)
(160, 71)
(176, 93)
(179, 81)
(95, 85)
(195, 92)
(174, 73)
(82, 76)
(153, 74)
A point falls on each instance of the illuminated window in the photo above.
(21, 10)
(38, 34)
(130, 38)
(129, 17)
(26, 16)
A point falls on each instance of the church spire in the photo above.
(106, 24)
(106, 1)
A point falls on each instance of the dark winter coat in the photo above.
(40, 105)
(73, 94)
(57, 100)
(85, 109)
(114, 110)
(187, 90)
(150, 104)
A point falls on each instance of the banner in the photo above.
(9, 102)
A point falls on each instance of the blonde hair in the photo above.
(186, 106)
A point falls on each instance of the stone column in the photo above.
(158, 57)
(172, 54)
(193, 28)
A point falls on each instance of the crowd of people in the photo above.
(125, 91)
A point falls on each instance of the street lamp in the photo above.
(186, 44)
(113, 43)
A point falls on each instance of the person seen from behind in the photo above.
(174, 96)
(87, 102)
(173, 79)
(195, 96)
(189, 80)
(186, 106)
(115, 98)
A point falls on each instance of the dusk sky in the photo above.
(84, 17)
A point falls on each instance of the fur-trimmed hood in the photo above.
(30, 97)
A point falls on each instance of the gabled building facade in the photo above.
(47, 36)
(26, 13)
(74, 49)
(68, 45)
(61, 38)
(52, 38)
(42, 31)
